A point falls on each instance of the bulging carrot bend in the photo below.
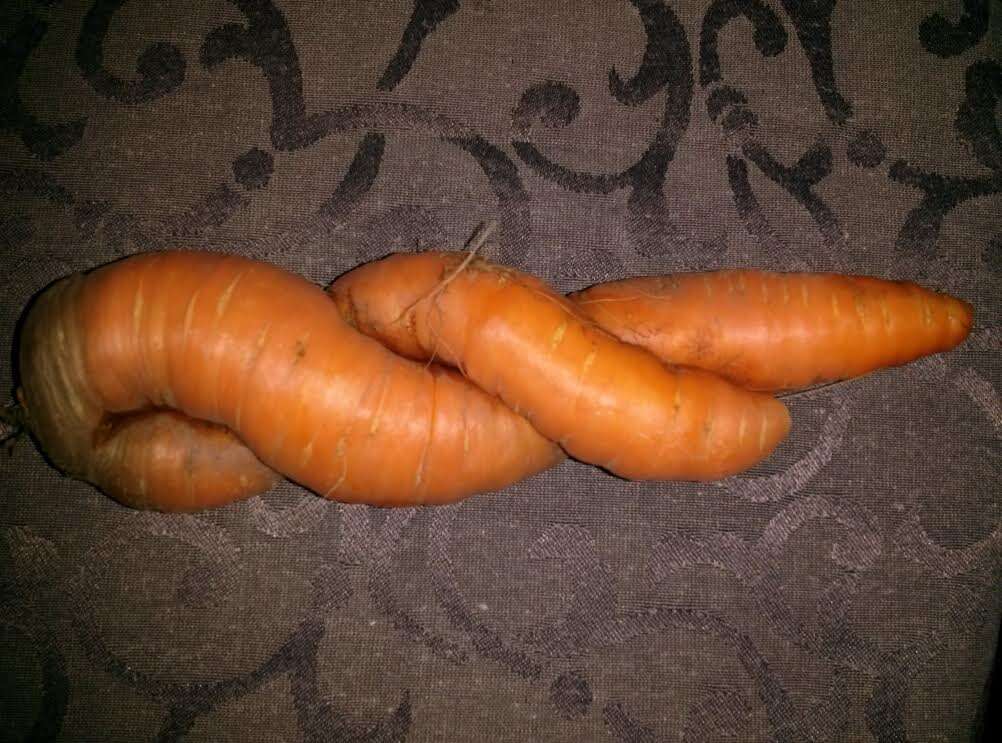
(182, 380)
(604, 401)
(151, 458)
(778, 331)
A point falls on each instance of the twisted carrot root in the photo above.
(184, 380)
(605, 402)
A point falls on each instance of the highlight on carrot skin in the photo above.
(184, 380)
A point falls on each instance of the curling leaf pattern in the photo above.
(831, 594)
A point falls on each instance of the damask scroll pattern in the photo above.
(666, 66)
(361, 555)
(976, 125)
(161, 66)
(731, 109)
(43, 140)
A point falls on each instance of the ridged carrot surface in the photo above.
(184, 380)
(156, 377)
(778, 331)
(605, 402)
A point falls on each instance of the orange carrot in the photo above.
(778, 331)
(605, 402)
(182, 380)
(155, 458)
(156, 377)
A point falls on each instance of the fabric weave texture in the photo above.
(847, 589)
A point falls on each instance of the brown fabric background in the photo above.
(847, 589)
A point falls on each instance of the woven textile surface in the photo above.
(846, 589)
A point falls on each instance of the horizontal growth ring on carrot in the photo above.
(184, 380)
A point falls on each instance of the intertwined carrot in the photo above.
(604, 401)
(254, 359)
(183, 380)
